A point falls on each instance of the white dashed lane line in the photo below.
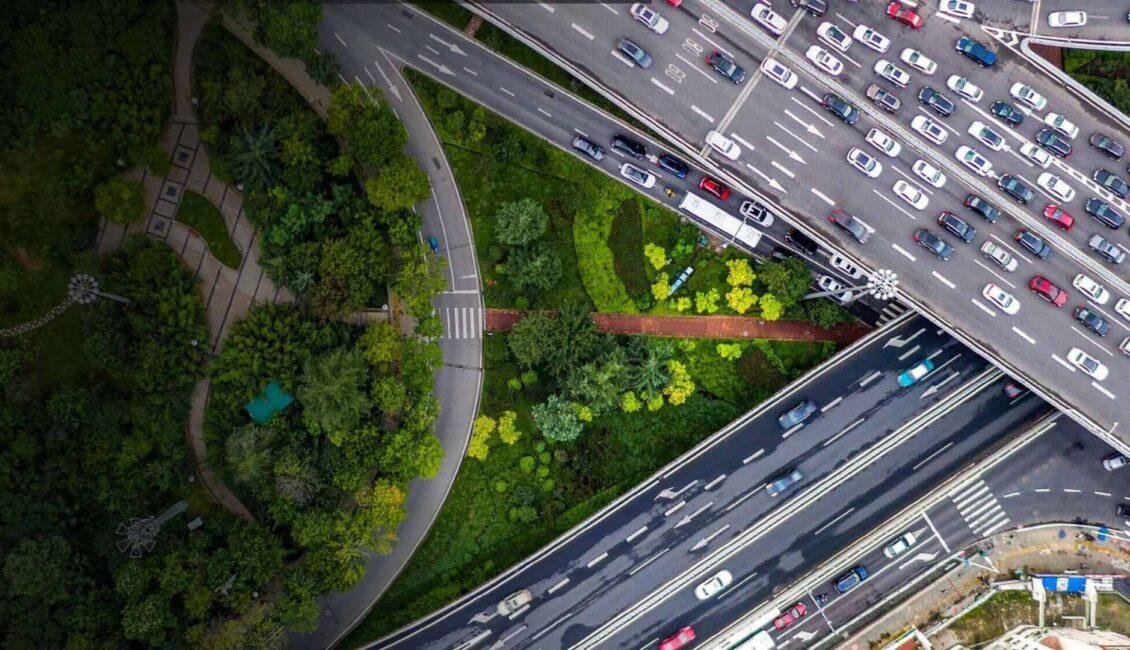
(703, 114)
(895, 206)
(943, 279)
(1097, 386)
(662, 86)
(1022, 334)
(905, 254)
(582, 31)
(1063, 363)
(983, 308)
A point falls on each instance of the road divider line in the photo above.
(1097, 386)
(904, 355)
(791, 430)
(797, 137)
(931, 456)
(999, 277)
(662, 86)
(504, 90)
(745, 496)
(640, 531)
(695, 67)
(783, 169)
(943, 279)
(562, 583)
(582, 31)
(596, 560)
(749, 459)
(544, 112)
(822, 196)
(833, 522)
(983, 308)
(1019, 332)
(742, 140)
(716, 481)
(900, 209)
(870, 378)
(832, 404)
(675, 508)
(636, 569)
(703, 114)
(843, 431)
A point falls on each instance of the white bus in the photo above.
(759, 641)
(749, 635)
(720, 220)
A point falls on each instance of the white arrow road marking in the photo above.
(742, 140)
(501, 642)
(791, 154)
(442, 68)
(388, 82)
(451, 46)
(807, 127)
(687, 518)
(798, 138)
(938, 386)
(671, 494)
(921, 557)
(702, 543)
(469, 644)
(896, 342)
(772, 181)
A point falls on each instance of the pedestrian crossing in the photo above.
(980, 509)
(891, 311)
(461, 322)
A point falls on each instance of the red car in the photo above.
(1059, 217)
(714, 187)
(905, 15)
(790, 616)
(1044, 288)
(678, 639)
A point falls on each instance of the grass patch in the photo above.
(1007, 609)
(1107, 74)
(198, 213)
(627, 252)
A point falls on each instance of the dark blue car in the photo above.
(673, 165)
(851, 579)
(981, 54)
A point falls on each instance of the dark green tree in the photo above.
(334, 393)
(254, 156)
(519, 222)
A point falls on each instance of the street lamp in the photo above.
(881, 285)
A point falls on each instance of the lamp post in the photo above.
(881, 285)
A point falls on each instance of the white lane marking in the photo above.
(640, 531)
(913, 350)
(841, 17)
(936, 533)
(832, 404)
(782, 169)
(547, 7)
(1023, 335)
(609, 8)
(506, 91)
(506, 638)
(822, 196)
(851, 60)
(648, 561)
(623, 59)
(1042, 490)
(1000, 241)
(1102, 494)
(1064, 363)
(1102, 390)
(432, 50)
(814, 113)
(662, 86)
(1116, 321)
(564, 581)
(799, 139)
(1080, 333)
(703, 114)
(845, 430)
(931, 456)
(807, 127)
(937, 121)
(983, 308)
(581, 133)
(949, 18)
(737, 584)
(742, 140)
(998, 276)
(675, 508)
(582, 31)
(917, 182)
(470, 71)
(544, 112)
(596, 560)
(830, 523)
(811, 94)
(943, 279)
(394, 28)
(749, 459)
(695, 67)
(744, 497)
(788, 152)
(895, 206)
(1071, 491)
(341, 40)
(791, 430)
(990, 529)
(1009, 495)
(869, 378)
(715, 481)
(903, 251)
(767, 178)
(712, 42)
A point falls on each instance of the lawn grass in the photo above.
(198, 213)
(1107, 74)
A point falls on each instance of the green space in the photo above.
(1105, 73)
(1007, 609)
(198, 213)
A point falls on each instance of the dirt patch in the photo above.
(24, 259)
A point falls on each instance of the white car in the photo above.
(828, 283)
(1004, 300)
(1000, 256)
(1067, 19)
(883, 142)
(1091, 289)
(723, 145)
(1036, 154)
(1123, 308)
(776, 71)
(911, 194)
(918, 61)
(959, 8)
(929, 173)
(650, 18)
(641, 177)
(900, 545)
(1061, 124)
(834, 36)
(973, 160)
(965, 88)
(892, 73)
(986, 135)
(756, 213)
(514, 602)
(1087, 364)
(769, 19)
(1055, 186)
(720, 581)
(929, 129)
(871, 38)
(848, 268)
(824, 60)
(864, 163)
(1030, 97)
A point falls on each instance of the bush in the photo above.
(517, 223)
(624, 242)
(595, 260)
(120, 200)
(527, 464)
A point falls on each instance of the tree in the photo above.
(771, 307)
(574, 341)
(519, 222)
(681, 385)
(537, 266)
(334, 393)
(479, 445)
(419, 280)
(120, 200)
(661, 289)
(290, 28)
(788, 280)
(656, 255)
(598, 384)
(741, 299)
(740, 275)
(683, 303)
(508, 432)
(359, 262)
(398, 184)
(382, 346)
(248, 451)
(254, 156)
(729, 351)
(40, 569)
(650, 373)
(706, 301)
(382, 509)
(557, 420)
(323, 68)
(530, 338)
(370, 129)
(629, 403)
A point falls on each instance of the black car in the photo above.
(1007, 112)
(669, 163)
(801, 241)
(1111, 182)
(936, 101)
(815, 7)
(726, 67)
(590, 149)
(1053, 143)
(1033, 244)
(1107, 145)
(853, 226)
(884, 99)
(976, 51)
(633, 148)
(982, 207)
(1093, 321)
(840, 107)
(1123, 510)
(957, 226)
(933, 243)
(1102, 211)
(1015, 188)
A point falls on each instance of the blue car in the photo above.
(850, 580)
(911, 376)
(976, 51)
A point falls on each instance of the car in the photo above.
(756, 213)
(936, 101)
(797, 414)
(1047, 290)
(815, 7)
(988, 211)
(1001, 298)
(884, 99)
(986, 135)
(1090, 366)
(1115, 461)
(650, 18)
(1007, 113)
(636, 54)
(1107, 251)
(1091, 320)
(865, 163)
(1123, 308)
(828, 283)
(514, 602)
(1053, 143)
(959, 8)
(834, 36)
(1067, 19)
(964, 87)
(973, 160)
(824, 60)
(999, 256)
(892, 73)
(1108, 145)
(929, 129)
(672, 165)
(848, 268)
(1122, 510)
(1033, 244)
(851, 225)
(905, 15)
(678, 640)
(1091, 289)
(590, 149)
(1015, 188)
(1124, 346)
(900, 545)
(1056, 186)
(723, 145)
(1059, 217)
(918, 61)
(911, 194)
(883, 142)
(784, 482)
(1062, 124)
(957, 226)
(1025, 95)
(714, 187)
(871, 38)
(641, 177)
(1106, 215)
(1111, 182)
(928, 173)
(850, 580)
(777, 71)
(630, 146)
(1036, 155)
(801, 242)
(791, 615)
(726, 67)
(716, 583)
(1012, 390)
(979, 52)
(840, 107)
(772, 21)
(933, 243)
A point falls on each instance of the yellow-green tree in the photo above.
(729, 351)
(681, 385)
(771, 308)
(508, 431)
(740, 275)
(706, 302)
(629, 403)
(741, 299)
(661, 289)
(656, 255)
(479, 446)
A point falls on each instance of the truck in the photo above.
(720, 221)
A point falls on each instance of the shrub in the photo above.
(543, 471)
(508, 431)
(120, 200)
(629, 403)
(656, 255)
(500, 486)
(557, 419)
(706, 301)
(514, 384)
(547, 485)
(741, 299)
(595, 261)
(624, 242)
(729, 351)
(517, 223)
(771, 307)
(529, 378)
(544, 457)
(527, 464)
(662, 288)
(740, 274)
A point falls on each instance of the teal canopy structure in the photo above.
(270, 401)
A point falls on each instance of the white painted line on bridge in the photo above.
(900, 209)
(744, 497)
(696, 67)
(983, 308)
(748, 459)
(742, 140)
(504, 90)
(1019, 332)
(999, 277)
(931, 456)
(596, 560)
(544, 112)
(640, 531)
(1102, 494)
(712, 42)
(831, 523)
(1102, 390)
(913, 350)
(832, 404)
(797, 137)
(394, 28)
(782, 169)
(547, 7)
(936, 533)
(716, 481)
(675, 508)
(662, 87)
(870, 378)
(845, 430)
(648, 561)
(703, 114)
(821, 195)
(1080, 333)
(582, 31)
(791, 430)
(1071, 491)
(342, 40)
(943, 279)
(1042, 490)
(1009, 495)
(1063, 363)
(814, 113)
(564, 581)
(470, 71)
